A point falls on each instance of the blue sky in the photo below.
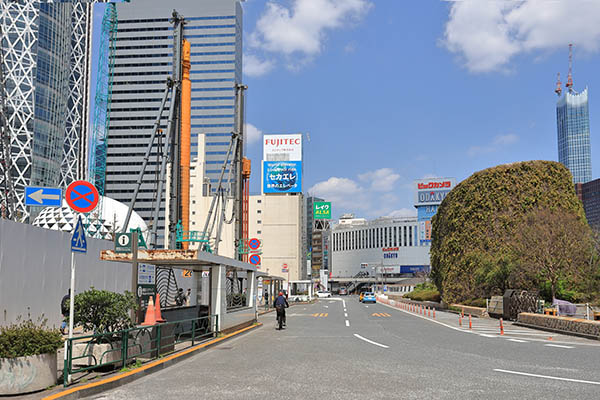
(391, 91)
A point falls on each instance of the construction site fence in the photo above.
(141, 343)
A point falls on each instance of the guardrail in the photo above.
(121, 348)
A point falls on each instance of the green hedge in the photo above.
(424, 292)
(28, 339)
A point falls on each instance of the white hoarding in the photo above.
(282, 147)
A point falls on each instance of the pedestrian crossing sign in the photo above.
(78, 241)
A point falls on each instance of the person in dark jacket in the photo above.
(280, 305)
(64, 310)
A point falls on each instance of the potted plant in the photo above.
(103, 313)
(28, 357)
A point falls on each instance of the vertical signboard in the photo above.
(282, 163)
(429, 194)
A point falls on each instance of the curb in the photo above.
(563, 332)
(121, 379)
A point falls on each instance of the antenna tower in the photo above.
(569, 84)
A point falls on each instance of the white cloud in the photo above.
(350, 48)
(381, 180)
(497, 144)
(363, 195)
(254, 66)
(302, 27)
(403, 212)
(487, 34)
(253, 134)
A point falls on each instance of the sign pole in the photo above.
(134, 271)
(72, 296)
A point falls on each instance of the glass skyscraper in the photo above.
(143, 62)
(573, 125)
(46, 53)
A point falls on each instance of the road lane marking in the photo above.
(546, 376)
(346, 315)
(508, 333)
(517, 340)
(344, 303)
(484, 335)
(558, 345)
(326, 306)
(370, 341)
(347, 323)
(320, 315)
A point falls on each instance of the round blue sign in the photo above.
(254, 259)
(254, 244)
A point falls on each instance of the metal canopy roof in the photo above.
(194, 260)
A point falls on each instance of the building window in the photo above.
(258, 211)
(259, 222)
(410, 230)
(404, 241)
(259, 201)
(395, 237)
(258, 232)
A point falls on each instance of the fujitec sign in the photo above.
(282, 147)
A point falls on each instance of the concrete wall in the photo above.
(590, 329)
(281, 226)
(35, 271)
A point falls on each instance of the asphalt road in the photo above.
(341, 349)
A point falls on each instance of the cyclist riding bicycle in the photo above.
(281, 304)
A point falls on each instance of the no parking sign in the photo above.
(82, 196)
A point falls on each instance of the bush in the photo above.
(28, 338)
(102, 311)
(424, 292)
(475, 303)
(475, 232)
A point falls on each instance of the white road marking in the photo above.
(484, 335)
(547, 377)
(558, 345)
(344, 303)
(326, 306)
(347, 323)
(472, 331)
(344, 310)
(372, 342)
(346, 315)
(366, 306)
(517, 340)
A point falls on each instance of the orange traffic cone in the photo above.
(157, 314)
(150, 318)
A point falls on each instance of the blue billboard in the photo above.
(282, 176)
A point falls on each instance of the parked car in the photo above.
(343, 291)
(323, 294)
(369, 297)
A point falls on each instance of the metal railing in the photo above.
(118, 349)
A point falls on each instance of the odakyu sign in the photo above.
(282, 176)
(432, 191)
(282, 147)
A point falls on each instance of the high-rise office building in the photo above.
(143, 62)
(46, 52)
(573, 125)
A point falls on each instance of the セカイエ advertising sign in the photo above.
(282, 177)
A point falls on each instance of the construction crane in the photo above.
(8, 198)
(569, 83)
(558, 89)
(103, 98)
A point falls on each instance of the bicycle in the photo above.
(280, 311)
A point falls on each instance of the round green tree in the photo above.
(478, 232)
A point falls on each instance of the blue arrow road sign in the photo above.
(43, 196)
(78, 242)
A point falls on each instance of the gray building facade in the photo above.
(46, 51)
(143, 61)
